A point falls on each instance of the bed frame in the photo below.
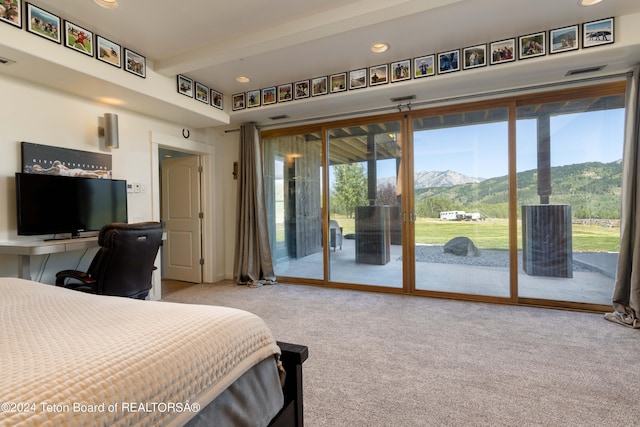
(293, 356)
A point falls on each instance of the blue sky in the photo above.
(481, 150)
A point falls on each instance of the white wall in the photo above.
(226, 154)
(42, 115)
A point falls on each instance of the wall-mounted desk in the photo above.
(26, 249)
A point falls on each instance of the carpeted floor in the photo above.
(390, 360)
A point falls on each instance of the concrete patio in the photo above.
(594, 286)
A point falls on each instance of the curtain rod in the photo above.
(444, 100)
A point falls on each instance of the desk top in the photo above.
(42, 247)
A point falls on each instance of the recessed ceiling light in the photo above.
(243, 79)
(109, 4)
(588, 2)
(379, 47)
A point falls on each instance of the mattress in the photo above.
(70, 358)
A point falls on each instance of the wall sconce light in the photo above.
(110, 131)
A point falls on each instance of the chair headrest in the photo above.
(135, 227)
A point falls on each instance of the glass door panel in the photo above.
(365, 230)
(461, 202)
(293, 187)
(569, 179)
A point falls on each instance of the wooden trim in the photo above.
(407, 207)
(292, 131)
(605, 89)
(565, 305)
(513, 204)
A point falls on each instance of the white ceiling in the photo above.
(282, 41)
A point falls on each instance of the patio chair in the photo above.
(335, 235)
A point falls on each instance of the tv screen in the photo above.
(52, 204)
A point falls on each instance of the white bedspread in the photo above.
(69, 358)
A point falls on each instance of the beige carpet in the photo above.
(390, 360)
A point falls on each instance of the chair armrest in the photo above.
(73, 274)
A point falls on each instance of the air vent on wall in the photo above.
(283, 116)
(403, 98)
(5, 61)
(585, 70)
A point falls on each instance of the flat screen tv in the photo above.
(53, 204)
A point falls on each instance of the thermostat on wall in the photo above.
(130, 188)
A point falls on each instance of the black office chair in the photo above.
(124, 263)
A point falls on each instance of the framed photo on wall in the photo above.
(400, 71)
(338, 82)
(301, 89)
(216, 99)
(597, 33)
(424, 66)
(269, 96)
(532, 45)
(108, 51)
(185, 86)
(378, 75)
(202, 93)
(43, 24)
(358, 79)
(78, 38)
(285, 92)
(238, 102)
(135, 63)
(12, 13)
(563, 39)
(503, 51)
(319, 86)
(449, 62)
(474, 56)
(253, 98)
(50, 160)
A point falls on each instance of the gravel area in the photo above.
(487, 258)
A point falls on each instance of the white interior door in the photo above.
(182, 251)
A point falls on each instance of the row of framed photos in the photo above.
(199, 91)
(49, 26)
(533, 45)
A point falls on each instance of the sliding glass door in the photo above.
(461, 202)
(293, 184)
(365, 229)
(569, 181)
(514, 200)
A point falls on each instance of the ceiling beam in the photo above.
(349, 17)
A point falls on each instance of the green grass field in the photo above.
(493, 234)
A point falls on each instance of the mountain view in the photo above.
(592, 189)
(428, 179)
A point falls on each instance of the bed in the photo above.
(70, 358)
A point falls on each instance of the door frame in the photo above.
(207, 157)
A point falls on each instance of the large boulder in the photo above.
(461, 246)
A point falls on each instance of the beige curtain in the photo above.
(626, 293)
(252, 263)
